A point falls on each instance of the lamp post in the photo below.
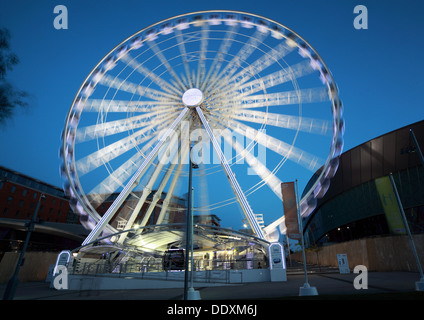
(191, 243)
(306, 290)
(13, 282)
(419, 285)
(417, 147)
(189, 293)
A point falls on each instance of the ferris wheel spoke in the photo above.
(155, 48)
(157, 194)
(171, 189)
(263, 62)
(145, 193)
(126, 106)
(107, 153)
(310, 125)
(133, 182)
(283, 98)
(280, 223)
(148, 189)
(266, 60)
(290, 73)
(130, 87)
(273, 182)
(203, 189)
(117, 178)
(294, 154)
(104, 129)
(222, 79)
(203, 48)
(231, 177)
(243, 54)
(183, 52)
(220, 56)
(150, 74)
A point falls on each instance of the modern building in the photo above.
(361, 202)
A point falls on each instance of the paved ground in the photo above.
(337, 298)
(330, 285)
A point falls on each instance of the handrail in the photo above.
(105, 267)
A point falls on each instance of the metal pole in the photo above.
(406, 225)
(12, 283)
(301, 237)
(189, 226)
(420, 154)
(191, 240)
(306, 290)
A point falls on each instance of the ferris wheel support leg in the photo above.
(133, 182)
(233, 181)
(170, 192)
(146, 192)
(158, 192)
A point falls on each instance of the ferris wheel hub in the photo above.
(192, 97)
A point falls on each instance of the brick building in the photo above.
(57, 227)
(19, 195)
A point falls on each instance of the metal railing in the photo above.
(154, 269)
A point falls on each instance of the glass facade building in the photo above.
(354, 207)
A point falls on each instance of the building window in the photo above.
(35, 195)
(13, 189)
(9, 199)
(24, 193)
(21, 203)
(5, 211)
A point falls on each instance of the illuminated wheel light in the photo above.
(238, 92)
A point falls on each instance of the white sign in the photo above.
(62, 260)
(277, 264)
(343, 263)
(276, 256)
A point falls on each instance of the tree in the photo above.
(10, 97)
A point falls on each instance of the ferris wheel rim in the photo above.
(338, 126)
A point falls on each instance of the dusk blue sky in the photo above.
(379, 71)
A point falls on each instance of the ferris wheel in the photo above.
(249, 99)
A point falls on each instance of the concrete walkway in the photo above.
(330, 285)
